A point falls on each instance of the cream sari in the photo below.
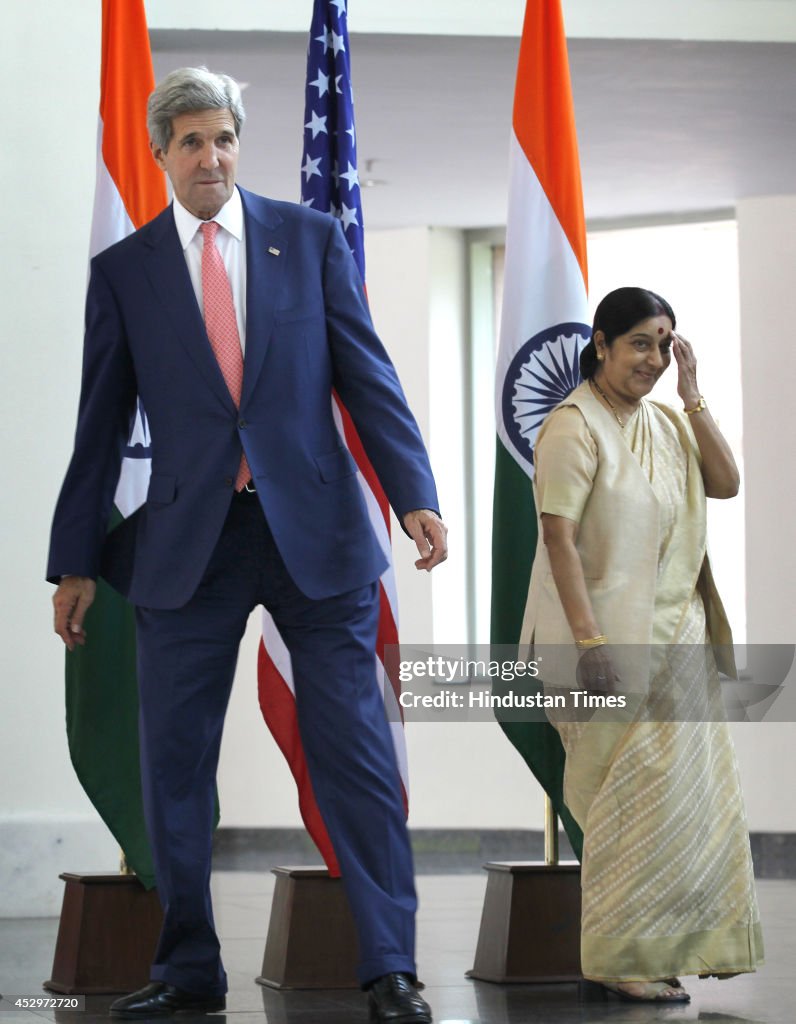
(667, 875)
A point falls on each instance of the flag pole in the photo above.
(550, 832)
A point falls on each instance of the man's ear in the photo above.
(158, 154)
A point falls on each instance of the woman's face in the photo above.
(635, 361)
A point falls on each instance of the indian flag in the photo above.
(542, 330)
(101, 685)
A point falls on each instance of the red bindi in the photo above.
(660, 330)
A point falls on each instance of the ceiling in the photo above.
(666, 129)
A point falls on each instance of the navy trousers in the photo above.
(186, 663)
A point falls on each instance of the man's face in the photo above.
(201, 160)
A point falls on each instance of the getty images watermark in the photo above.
(657, 682)
(438, 669)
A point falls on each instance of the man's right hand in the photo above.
(71, 601)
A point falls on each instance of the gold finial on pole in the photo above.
(550, 832)
(124, 867)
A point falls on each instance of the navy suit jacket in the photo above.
(308, 330)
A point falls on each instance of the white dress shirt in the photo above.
(230, 242)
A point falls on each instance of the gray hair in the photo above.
(187, 90)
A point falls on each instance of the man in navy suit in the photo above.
(208, 547)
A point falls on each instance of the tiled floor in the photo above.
(447, 930)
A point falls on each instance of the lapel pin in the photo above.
(273, 250)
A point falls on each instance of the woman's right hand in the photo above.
(596, 670)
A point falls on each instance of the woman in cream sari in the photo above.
(621, 574)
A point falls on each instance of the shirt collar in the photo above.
(229, 217)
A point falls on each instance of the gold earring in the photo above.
(600, 357)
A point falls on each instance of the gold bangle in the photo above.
(592, 641)
(701, 404)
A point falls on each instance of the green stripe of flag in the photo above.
(102, 723)
(514, 538)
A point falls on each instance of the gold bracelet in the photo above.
(592, 641)
(701, 404)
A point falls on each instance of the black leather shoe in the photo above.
(161, 1000)
(394, 999)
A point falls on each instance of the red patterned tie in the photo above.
(222, 326)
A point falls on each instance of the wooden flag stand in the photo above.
(107, 934)
(311, 940)
(530, 922)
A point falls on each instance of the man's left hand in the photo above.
(430, 534)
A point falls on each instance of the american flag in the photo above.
(329, 178)
(330, 184)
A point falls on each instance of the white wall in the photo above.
(767, 257)
(620, 19)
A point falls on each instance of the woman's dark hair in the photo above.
(616, 314)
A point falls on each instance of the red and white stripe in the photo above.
(276, 686)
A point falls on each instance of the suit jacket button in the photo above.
(241, 423)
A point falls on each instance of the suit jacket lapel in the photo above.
(266, 262)
(168, 274)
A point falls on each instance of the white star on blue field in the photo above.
(329, 133)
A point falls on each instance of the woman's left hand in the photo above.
(687, 387)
